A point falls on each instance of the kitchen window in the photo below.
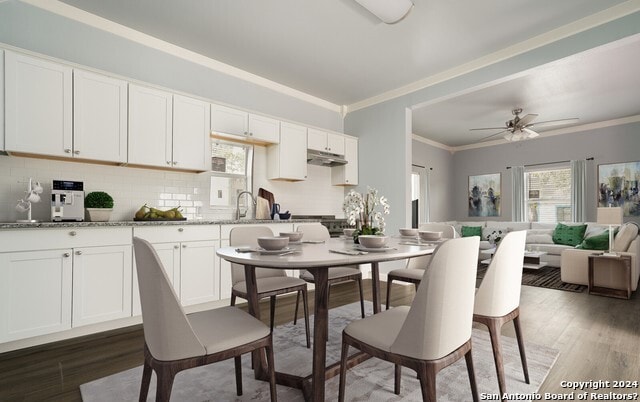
(231, 173)
(548, 194)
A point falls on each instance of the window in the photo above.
(548, 194)
(231, 167)
(419, 204)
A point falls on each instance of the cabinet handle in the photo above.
(184, 246)
(246, 133)
(251, 134)
(78, 252)
(66, 255)
(67, 151)
(76, 152)
(174, 163)
(176, 247)
(72, 233)
(180, 229)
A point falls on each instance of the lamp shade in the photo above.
(389, 11)
(609, 216)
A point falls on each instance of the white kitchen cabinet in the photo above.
(326, 142)
(99, 117)
(38, 106)
(35, 293)
(232, 123)
(101, 284)
(169, 254)
(288, 159)
(1, 100)
(150, 126)
(347, 175)
(191, 147)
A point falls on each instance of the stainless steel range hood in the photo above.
(324, 159)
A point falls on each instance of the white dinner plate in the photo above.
(267, 252)
(373, 249)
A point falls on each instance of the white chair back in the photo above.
(167, 332)
(248, 236)
(314, 232)
(499, 292)
(440, 317)
(448, 231)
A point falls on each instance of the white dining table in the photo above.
(317, 258)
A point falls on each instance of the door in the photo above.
(99, 117)
(288, 160)
(317, 140)
(419, 199)
(199, 272)
(191, 148)
(169, 254)
(225, 274)
(264, 129)
(35, 293)
(227, 120)
(335, 144)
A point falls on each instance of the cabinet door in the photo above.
(35, 293)
(99, 117)
(1, 100)
(317, 140)
(225, 274)
(101, 284)
(288, 160)
(347, 175)
(150, 118)
(335, 144)
(38, 106)
(226, 120)
(264, 129)
(169, 254)
(199, 273)
(191, 148)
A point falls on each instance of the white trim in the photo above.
(103, 24)
(432, 143)
(586, 23)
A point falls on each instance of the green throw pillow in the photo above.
(468, 231)
(569, 235)
(598, 242)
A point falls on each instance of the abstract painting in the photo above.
(618, 186)
(484, 195)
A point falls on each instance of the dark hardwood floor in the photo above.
(598, 339)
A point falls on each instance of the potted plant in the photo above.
(99, 206)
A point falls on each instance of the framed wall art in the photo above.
(618, 186)
(484, 195)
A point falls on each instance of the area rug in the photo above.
(371, 380)
(545, 277)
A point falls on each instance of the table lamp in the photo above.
(610, 216)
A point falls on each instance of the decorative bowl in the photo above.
(273, 243)
(348, 232)
(409, 232)
(430, 236)
(293, 236)
(372, 241)
(284, 215)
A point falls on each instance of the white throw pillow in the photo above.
(493, 235)
(625, 236)
(539, 236)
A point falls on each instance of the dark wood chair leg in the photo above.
(389, 281)
(396, 378)
(305, 306)
(523, 357)
(233, 299)
(165, 383)
(272, 311)
(272, 373)
(295, 315)
(343, 370)
(472, 375)
(238, 365)
(146, 380)
(361, 296)
(427, 376)
(494, 332)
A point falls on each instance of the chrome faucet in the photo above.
(238, 215)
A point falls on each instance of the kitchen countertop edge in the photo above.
(36, 225)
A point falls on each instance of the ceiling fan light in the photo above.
(389, 11)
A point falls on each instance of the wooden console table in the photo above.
(623, 260)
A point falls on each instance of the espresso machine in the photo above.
(67, 201)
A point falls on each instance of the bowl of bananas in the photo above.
(146, 213)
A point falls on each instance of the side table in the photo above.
(624, 261)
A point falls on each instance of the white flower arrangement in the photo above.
(362, 207)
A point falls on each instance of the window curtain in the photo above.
(518, 206)
(578, 190)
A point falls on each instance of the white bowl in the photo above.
(430, 236)
(409, 232)
(348, 232)
(372, 241)
(293, 236)
(273, 243)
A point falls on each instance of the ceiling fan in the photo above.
(519, 128)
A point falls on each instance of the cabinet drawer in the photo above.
(275, 228)
(177, 233)
(49, 239)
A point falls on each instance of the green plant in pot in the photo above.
(99, 206)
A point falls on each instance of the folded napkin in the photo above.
(349, 252)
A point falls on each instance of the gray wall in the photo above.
(439, 164)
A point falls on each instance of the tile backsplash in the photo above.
(133, 187)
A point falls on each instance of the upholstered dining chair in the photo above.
(270, 282)
(432, 333)
(174, 341)
(498, 298)
(414, 269)
(336, 274)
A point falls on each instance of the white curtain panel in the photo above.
(578, 190)
(518, 194)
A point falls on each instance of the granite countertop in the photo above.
(14, 225)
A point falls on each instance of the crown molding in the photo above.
(581, 25)
(76, 14)
(427, 141)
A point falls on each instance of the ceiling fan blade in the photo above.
(526, 119)
(530, 133)
(554, 122)
(486, 128)
(492, 135)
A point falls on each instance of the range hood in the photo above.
(324, 158)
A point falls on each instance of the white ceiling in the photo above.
(337, 51)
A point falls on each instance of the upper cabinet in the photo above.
(347, 175)
(191, 146)
(38, 102)
(1, 100)
(99, 117)
(288, 159)
(324, 141)
(236, 124)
